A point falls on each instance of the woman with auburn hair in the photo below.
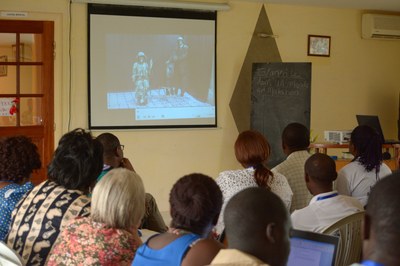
(252, 151)
(19, 157)
(110, 235)
(358, 177)
(195, 202)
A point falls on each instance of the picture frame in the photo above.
(319, 45)
(3, 68)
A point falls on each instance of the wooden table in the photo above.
(323, 147)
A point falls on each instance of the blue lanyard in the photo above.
(327, 196)
(371, 263)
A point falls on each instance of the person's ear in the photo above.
(306, 177)
(270, 233)
(366, 227)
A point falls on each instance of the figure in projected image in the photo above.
(177, 68)
(140, 76)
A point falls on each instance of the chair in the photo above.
(348, 230)
(8, 256)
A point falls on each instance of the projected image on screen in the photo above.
(150, 71)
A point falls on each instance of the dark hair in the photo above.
(246, 217)
(250, 210)
(196, 201)
(77, 161)
(321, 168)
(252, 150)
(296, 137)
(110, 142)
(368, 147)
(383, 208)
(18, 158)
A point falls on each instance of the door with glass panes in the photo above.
(27, 85)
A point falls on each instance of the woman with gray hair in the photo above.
(109, 235)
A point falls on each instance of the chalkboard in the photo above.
(280, 94)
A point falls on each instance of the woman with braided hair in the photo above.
(252, 151)
(358, 177)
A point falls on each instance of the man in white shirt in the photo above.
(295, 142)
(327, 206)
(257, 229)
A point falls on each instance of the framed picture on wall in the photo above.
(319, 45)
(3, 68)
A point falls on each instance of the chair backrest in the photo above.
(348, 230)
(9, 256)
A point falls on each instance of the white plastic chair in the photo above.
(9, 257)
(350, 240)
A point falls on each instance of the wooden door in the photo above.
(27, 85)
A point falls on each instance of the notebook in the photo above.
(373, 121)
(312, 249)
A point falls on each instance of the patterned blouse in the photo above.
(232, 182)
(86, 242)
(9, 197)
(40, 216)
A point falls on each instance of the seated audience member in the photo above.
(252, 151)
(44, 212)
(109, 236)
(195, 201)
(381, 231)
(295, 142)
(257, 228)
(357, 178)
(113, 157)
(327, 206)
(18, 158)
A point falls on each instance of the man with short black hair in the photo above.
(327, 206)
(381, 231)
(113, 157)
(257, 230)
(295, 142)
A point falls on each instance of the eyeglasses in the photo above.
(122, 147)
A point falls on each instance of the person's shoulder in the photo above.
(232, 174)
(202, 253)
(353, 166)
(385, 169)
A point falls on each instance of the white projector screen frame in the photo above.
(151, 67)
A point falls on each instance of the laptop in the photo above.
(312, 249)
(373, 121)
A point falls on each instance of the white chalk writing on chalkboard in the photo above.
(281, 94)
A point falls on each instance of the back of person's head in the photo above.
(257, 222)
(253, 150)
(18, 158)
(296, 137)
(77, 161)
(321, 169)
(382, 221)
(196, 202)
(110, 143)
(367, 144)
(118, 199)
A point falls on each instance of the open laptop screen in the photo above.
(312, 249)
(372, 121)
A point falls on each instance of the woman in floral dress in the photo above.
(110, 235)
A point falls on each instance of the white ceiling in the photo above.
(384, 5)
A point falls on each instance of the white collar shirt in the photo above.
(354, 180)
(324, 210)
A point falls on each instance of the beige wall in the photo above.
(361, 76)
